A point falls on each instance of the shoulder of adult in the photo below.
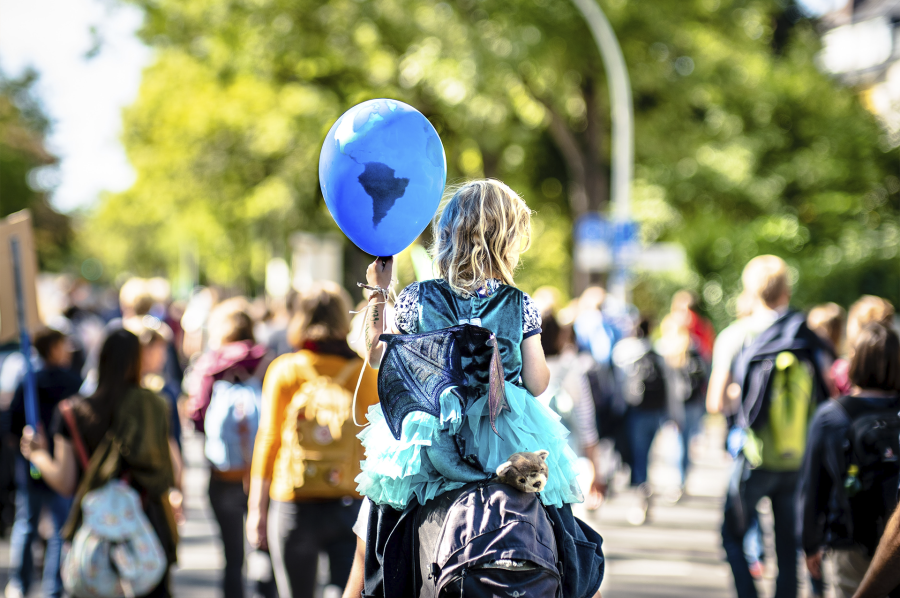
(291, 360)
(735, 329)
(734, 333)
(831, 415)
(139, 393)
(291, 366)
(854, 406)
(73, 377)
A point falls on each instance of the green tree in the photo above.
(743, 146)
(23, 153)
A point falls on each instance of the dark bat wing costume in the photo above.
(417, 368)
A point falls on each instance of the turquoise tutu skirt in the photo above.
(394, 470)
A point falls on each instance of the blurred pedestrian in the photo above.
(155, 340)
(303, 498)
(278, 341)
(568, 392)
(12, 368)
(234, 358)
(594, 332)
(687, 376)
(827, 320)
(136, 301)
(595, 335)
(54, 381)
(775, 357)
(153, 359)
(867, 308)
(645, 390)
(686, 304)
(847, 492)
(127, 425)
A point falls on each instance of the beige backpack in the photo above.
(320, 434)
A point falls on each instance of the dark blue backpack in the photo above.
(451, 547)
(486, 540)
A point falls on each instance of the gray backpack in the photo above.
(486, 539)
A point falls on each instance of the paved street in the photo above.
(676, 553)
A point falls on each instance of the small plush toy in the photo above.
(526, 472)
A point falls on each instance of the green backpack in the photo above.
(780, 443)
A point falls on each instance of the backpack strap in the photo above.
(65, 409)
(346, 371)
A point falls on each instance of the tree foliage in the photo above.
(743, 146)
(23, 127)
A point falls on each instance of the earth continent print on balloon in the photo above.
(382, 170)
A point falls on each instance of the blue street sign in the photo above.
(625, 235)
(593, 227)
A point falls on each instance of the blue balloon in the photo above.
(382, 170)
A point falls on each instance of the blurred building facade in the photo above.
(861, 46)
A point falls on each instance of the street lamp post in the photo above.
(622, 124)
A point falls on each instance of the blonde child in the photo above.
(478, 239)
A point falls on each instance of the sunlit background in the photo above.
(180, 138)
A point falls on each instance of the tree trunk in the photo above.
(596, 178)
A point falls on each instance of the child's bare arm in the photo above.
(535, 373)
(378, 275)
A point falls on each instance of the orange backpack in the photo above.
(320, 434)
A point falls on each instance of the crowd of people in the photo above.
(811, 400)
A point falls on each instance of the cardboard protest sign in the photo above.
(16, 228)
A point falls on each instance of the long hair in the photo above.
(118, 372)
(481, 232)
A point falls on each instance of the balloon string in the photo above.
(384, 293)
(362, 371)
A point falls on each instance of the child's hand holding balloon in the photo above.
(380, 272)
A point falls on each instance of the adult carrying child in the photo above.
(480, 336)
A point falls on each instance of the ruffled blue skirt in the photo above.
(394, 470)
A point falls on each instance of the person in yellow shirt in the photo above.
(303, 497)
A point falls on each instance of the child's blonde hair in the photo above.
(481, 230)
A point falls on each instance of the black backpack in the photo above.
(697, 372)
(484, 540)
(644, 385)
(609, 405)
(872, 447)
